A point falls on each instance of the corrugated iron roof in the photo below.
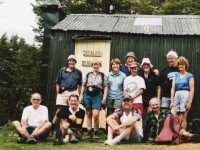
(148, 24)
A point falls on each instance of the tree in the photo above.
(19, 76)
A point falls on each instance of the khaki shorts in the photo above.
(63, 99)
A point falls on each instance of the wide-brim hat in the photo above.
(71, 57)
(146, 61)
(130, 54)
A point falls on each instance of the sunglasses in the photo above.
(35, 99)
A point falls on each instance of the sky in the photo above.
(17, 17)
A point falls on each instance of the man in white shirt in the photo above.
(34, 123)
(130, 126)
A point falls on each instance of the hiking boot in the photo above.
(96, 135)
(89, 134)
(21, 140)
(74, 140)
(195, 138)
(31, 140)
(58, 142)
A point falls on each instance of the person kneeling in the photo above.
(130, 127)
(34, 124)
(71, 119)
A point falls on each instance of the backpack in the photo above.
(195, 126)
(102, 77)
(169, 133)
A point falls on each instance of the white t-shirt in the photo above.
(35, 116)
(133, 84)
(124, 118)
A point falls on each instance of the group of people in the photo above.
(137, 99)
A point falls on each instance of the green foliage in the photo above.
(19, 77)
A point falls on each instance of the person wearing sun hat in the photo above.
(129, 59)
(68, 81)
(130, 127)
(151, 82)
(134, 86)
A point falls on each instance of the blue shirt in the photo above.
(182, 83)
(69, 80)
(125, 70)
(115, 85)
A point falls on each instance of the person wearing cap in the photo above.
(129, 59)
(125, 124)
(93, 96)
(34, 123)
(165, 78)
(134, 86)
(115, 87)
(68, 81)
(151, 82)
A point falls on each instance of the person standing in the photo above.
(115, 87)
(68, 81)
(166, 77)
(134, 86)
(93, 94)
(151, 82)
(129, 59)
(182, 91)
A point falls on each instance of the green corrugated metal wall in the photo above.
(153, 46)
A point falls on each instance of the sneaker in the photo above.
(74, 140)
(21, 140)
(58, 142)
(195, 138)
(113, 141)
(31, 140)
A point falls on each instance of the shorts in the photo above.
(138, 106)
(114, 103)
(92, 102)
(135, 138)
(165, 102)
(62, 99)
(43, 136)
(181, 98)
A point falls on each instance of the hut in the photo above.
(108, 36)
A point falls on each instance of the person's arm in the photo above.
(57, 88)
(172, 94)
(81, 93)
(24, 126)
(191, 96)
(111, 121)
(130, 122)
(158, 92)
(105, 92)
(138, 93)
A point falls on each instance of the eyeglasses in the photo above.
(36, 99)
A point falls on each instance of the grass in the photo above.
(8, 141)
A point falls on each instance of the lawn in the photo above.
(8, 141)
